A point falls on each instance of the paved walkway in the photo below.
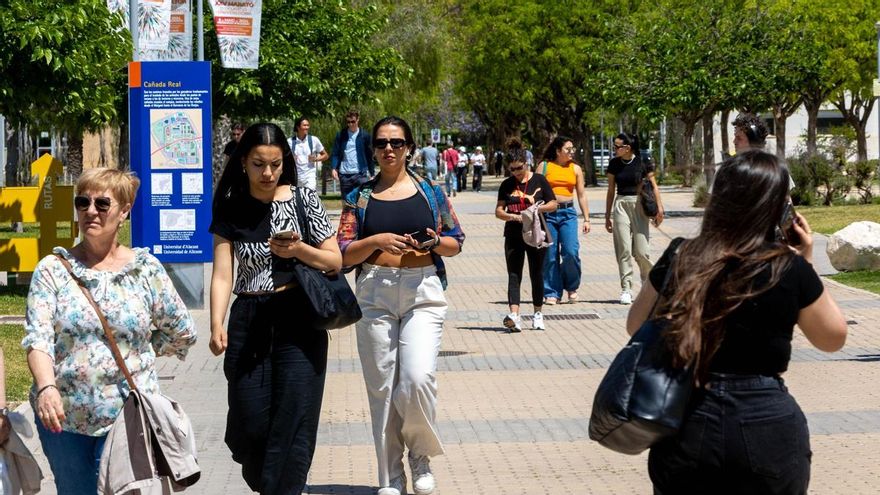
(514, 407)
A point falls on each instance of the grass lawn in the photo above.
(18, 377)
(829, 219)
(13, 299)
(332, 201)
(867, 280)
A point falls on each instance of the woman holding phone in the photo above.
(730, 304)
(396, 229)
(275, 360)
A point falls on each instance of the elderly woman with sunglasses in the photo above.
(78, 389)
(624, 216)
(396, 229)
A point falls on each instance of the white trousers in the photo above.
(398, 343)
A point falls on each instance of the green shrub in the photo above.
(862, 175)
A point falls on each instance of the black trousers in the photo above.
(348, 182)
(461, 175)
(746, 435)
(478, 178)
(515, 252)
(275, 364)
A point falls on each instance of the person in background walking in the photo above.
(733, 297)
(352, 158)
(516, 193)
(78, 389)
(562, 268)
(498, 162)
(461, 170)
(234, 131)
(430, 157)
(624, 216)
(308, 153)
(450, 156)
(400, 283)
(276, 360)
(479, 161)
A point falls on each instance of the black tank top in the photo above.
(401, 216)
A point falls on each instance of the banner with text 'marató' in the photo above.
(170, 139)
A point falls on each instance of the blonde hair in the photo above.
(123, 185)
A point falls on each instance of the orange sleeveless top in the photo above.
(561, 179)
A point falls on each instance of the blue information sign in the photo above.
(170, 129)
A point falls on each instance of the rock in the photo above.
(856, 247)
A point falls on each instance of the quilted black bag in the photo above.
(332, 302)
(646, 195)
(642, 399)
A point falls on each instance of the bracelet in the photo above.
(51, 385)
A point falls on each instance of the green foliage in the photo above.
(865, 280)
(863, 175)
(18, 376)
(62, 64)
(316, 57)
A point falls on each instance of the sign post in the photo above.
(170, 140)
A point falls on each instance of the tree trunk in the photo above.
(708, 145)
(812, 106)
(779, 122)
(725, 138)
(688, 151)
(12, 156)
(75, 154)
(122, 159)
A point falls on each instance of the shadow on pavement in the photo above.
(489, 328)
(341, 490)
(864, 358)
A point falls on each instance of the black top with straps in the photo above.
(401, 216)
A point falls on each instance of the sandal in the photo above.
(550, 301)
(572, 297)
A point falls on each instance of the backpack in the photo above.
(534, 227)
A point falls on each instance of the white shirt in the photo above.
(478, 159)
(305, 168)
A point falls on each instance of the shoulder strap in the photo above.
(310, 144)
(301, 217)
(117, 356)
(544, 173)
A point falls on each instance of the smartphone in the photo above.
(423, 238)
(786, 231)
(285, 235)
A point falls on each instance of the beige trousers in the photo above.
(398, 342)
(631, 236)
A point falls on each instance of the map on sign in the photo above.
(176, 138)
(177, 220)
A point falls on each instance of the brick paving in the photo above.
(514, 408)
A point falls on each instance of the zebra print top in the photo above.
(249, 223)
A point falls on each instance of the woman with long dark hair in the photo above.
(624, 216)
(275, 359)
(731, 302)
(516, 193)
(396, 229)
(562, 267)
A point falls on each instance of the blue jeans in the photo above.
(432, 173)
(451, 182)
(562, 267)
(744, 435)
(74, 459)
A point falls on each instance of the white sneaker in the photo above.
(513, 323)
(538, 321)
(626, 297)
(423, 480)
(397, 486)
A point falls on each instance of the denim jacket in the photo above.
(354, 209)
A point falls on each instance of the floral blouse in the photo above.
(146, 314)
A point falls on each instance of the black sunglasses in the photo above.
(395, 143)
(618, 146)
(517, 169)
(102, 203)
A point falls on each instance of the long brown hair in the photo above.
(714, 273)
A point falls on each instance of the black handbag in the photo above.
(642, 399)
(646, 195)
(332, 302)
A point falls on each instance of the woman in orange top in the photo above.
(562, 267)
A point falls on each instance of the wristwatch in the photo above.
(4, 411)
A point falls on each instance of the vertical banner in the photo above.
(237, 23)
(170, 139)
(168, 20)
(435, 135)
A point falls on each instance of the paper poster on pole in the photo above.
(165, 28)
(237, 23)
(435, 135)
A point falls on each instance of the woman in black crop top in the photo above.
(396, 229)
(275, 360)
(732, 300)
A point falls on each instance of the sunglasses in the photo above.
(517, 169)
(102, 203)
(395, 143)
(618, 146)
(350, 122)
